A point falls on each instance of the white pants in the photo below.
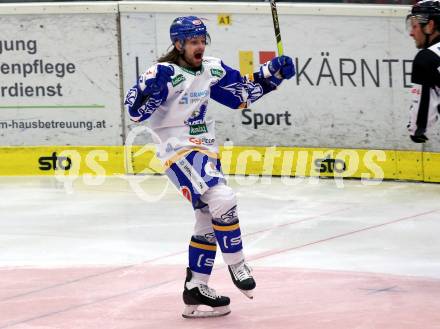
(220, 200)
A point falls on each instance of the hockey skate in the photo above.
(242, 278)
(197, 294)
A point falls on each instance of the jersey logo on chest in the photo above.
(177, 80)
(196, 121)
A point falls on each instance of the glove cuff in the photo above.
(274, 81)
(264, 70)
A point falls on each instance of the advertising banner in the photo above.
(351, 90)
(60, 80)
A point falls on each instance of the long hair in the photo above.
(171, 57)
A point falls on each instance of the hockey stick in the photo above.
(276, 25)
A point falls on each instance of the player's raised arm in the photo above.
(149, 92)
(236, 91)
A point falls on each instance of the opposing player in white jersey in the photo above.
(173, 94)
(424, 22)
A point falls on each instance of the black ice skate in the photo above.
(197, 294)
(242, 278)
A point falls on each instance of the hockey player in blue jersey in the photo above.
(173, 95)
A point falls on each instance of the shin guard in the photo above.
(228, 236)
(201, 255)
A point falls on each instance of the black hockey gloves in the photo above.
(419, 139)
(419, 136)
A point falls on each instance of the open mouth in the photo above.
(198, 56)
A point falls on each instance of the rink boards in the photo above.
(368, 165)
(65, 68)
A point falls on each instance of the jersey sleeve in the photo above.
(236, 91)
(425, 77)
(141, 104)
(425, 69)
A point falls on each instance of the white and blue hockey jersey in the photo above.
(178, 115)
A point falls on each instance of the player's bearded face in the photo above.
(194, 50)
(416, 32)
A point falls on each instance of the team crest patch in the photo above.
(130, 97)
(217, 73)
(212, 171)
(230, 216)
(177, 80)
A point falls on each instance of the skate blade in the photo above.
(192, 312)
(248, 293)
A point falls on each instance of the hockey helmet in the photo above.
(187, 27)
(425, 10)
